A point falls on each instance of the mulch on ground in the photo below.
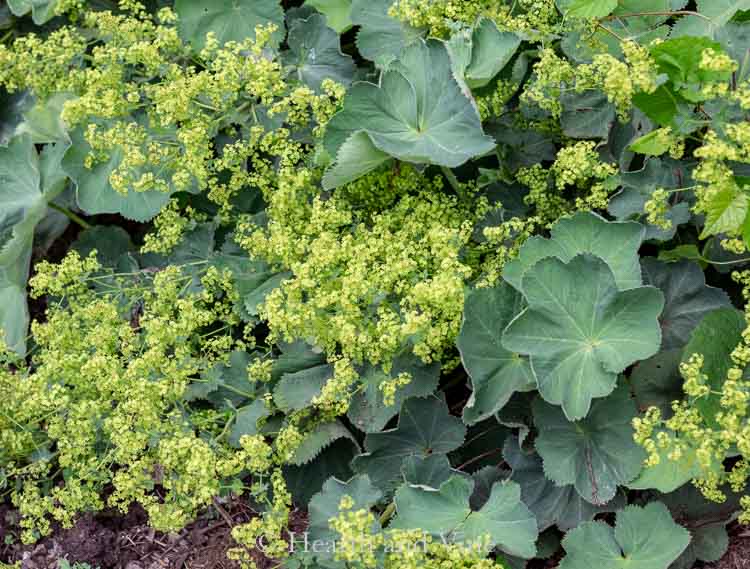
(110, 540)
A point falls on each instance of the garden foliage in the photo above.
(465, 281)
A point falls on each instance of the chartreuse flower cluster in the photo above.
(103, 397)
(531, 16)
(691, 432)
(376, 268)
(359, 546)
(618, 79)
(134, 94)
(367, 280)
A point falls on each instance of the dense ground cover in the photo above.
(375, 283)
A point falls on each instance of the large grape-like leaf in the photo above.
(496, 373)
(687, 298)
(552, 504)
(595, 454)
(680, 58)
(725, 211)
(316, 53)
(424, 427)
(588, 8)
(646, 538)
(617, 243)
(580, 331)
(446, 513)
(230, 20)
(417, 113)
(368, 412)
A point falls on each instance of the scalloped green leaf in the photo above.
(367, 411)
(481, 53)
(307, 480)
(429, 471)
(721, 11)
(337, 13)
(580, 331)
(417, 113)
(253, 280)
(28, 182)
(586, 115)
(42, 11)
(43, 121)
(705, 520)
(687, 298)
(95, 194)
(669, 474)
(715, 338)
(646, 538)
(296, 390)
(615, 242)
(111, 242)
(325, 504)
(316, 53)
(496, 373)
(551, 503)
(225, 384)
(638, 187)
(356, 157)
(230, 20)
(657, 381)
(595, 454)
(424, 427)
(320, 438)
(246, 421)
(446, 513)
(380, 37)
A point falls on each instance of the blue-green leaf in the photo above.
(580, 331)
(417, 113)
(229, 20)
(646, 538)
(595, 454)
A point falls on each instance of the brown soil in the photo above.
(738, 554)
(110, 540)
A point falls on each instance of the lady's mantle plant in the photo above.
(433, 272)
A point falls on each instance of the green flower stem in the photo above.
(388, 513)
(70, 215)
(453, 181)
